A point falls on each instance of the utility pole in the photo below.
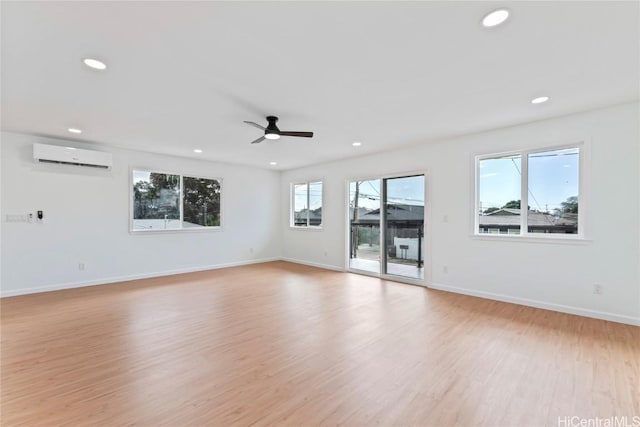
(420, 235)
(354, 228)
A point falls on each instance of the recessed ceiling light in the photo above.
(94, 63)
(540, 100)
(70, 148)
(74, 130)
(197, 150)
(496, 17)
(357, 144)
(273, 163)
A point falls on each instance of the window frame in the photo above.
(292, 207)
(203, 229)
(525, 235)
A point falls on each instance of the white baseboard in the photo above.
(313, 264)
(629, 320)
(116, 279)
(619, 318)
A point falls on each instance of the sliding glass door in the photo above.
(404, 226)
(386, 226)
(364, 225)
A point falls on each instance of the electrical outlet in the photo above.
(445, 269)
(597, 289)
(81, 266)
(250, 250)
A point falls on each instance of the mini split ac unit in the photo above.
(44, 153)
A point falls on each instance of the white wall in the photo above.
(87, 220)
(557, 276)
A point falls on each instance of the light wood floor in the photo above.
(283, 344)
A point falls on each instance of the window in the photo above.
(529, 193)
(164, 201)
(307, 204)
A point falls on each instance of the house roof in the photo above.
(505, 211)
(534, 218)
(395, 212)
(313, 213)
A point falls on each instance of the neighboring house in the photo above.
(404, 226)
(399, 215)
(361, 211)
(507, 221)
(315, 217)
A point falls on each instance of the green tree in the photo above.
(513, 204)
(570, 205)
(157, 198)
(161, 180)
(141, 191)
(201, 201)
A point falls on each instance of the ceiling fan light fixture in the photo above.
(272, 131)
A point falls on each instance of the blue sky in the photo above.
(315, 196)
(141, 176)
(405, 190)
(553, 177)
(369, 193)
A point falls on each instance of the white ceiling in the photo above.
(185, 75)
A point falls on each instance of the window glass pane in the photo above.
(300, 201)
(404, 226)
(364, 221)
(553, 191)
(315, 204)
(156, 201)
(201, 202)
(499, 197)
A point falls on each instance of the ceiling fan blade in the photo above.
(302, 134)
(255, 124)
(258, 140)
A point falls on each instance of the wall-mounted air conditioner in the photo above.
(44, 153)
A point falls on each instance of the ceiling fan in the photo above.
(272, 131)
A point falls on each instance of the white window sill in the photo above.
(176, 230)
(313, 228)
(530, 239)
